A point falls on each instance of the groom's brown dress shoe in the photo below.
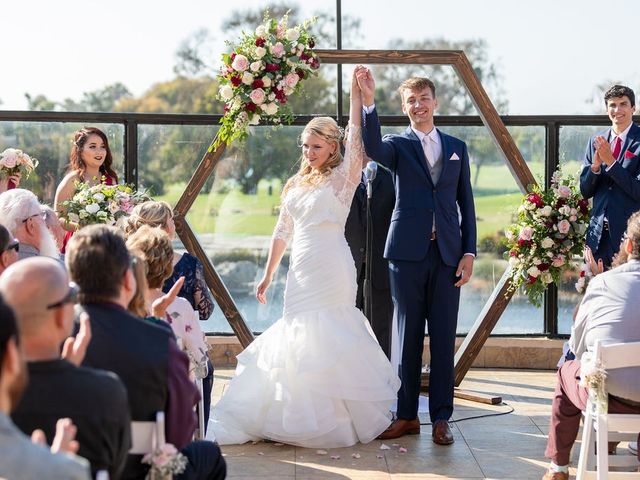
(441, 433)
(401, 427)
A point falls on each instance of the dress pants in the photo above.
(569, 400)
(205, 462)
(425, 291)
(606, 249)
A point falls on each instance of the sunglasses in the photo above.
(15, 245)
(70, 297)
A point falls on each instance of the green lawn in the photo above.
(496, 196)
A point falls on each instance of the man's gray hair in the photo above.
(17, 205)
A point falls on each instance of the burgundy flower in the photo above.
(582, 273)
(300, 73)
(280, 96)
(260, 42)
(272, 67)
(315, 63)
(312, 43)
(531, 280)
(583, 205)
(233, 56)
(226, 108)
(513, 253)
(533, 198)
(304, 57)
(560, 203)
(235, 81)
(257, 84)
(251, 107)
(543, 267)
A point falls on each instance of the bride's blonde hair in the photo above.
(327, 129)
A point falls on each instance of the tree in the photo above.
(39, 102)
(193, 54)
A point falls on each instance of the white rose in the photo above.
(537, 261)
(255, 119)
(292, 34)
(272, 108)
(573, 211)
(260, 52)
(546, 211)
(82, 215)
(266, 81)
(546, 277)
(102, 214)
(92, 208)
(74, 217)
(247, 78)
(514, 262)
(534, 272)
(271, 97)
(226, 92)
(261, 31)
(573, 218)
(256, 66)
(98, 197)
(547, 243)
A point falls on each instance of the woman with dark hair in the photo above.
(90, 162)
(9, 248)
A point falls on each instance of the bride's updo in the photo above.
(327, 129)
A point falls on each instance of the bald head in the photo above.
(28, 286)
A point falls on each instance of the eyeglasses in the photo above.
(15, 245)
(42, 215)
(70, 297)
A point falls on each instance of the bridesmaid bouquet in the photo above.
(101, 203)
(165, 461)
(14, 161)
(549, 231)
(266, 67)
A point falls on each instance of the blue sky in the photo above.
(551, 53)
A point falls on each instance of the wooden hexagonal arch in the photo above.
(457, 59)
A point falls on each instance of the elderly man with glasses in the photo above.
(42, 298)
(21, 213)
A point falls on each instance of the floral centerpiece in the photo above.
(14, 161)
(165, 461)
(101, 203)
(264, 69)
(549, 231)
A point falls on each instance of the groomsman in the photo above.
(611, 175)
(431, 246)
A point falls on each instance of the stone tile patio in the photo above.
(509, 446)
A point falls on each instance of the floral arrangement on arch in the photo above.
(264, 69)
(101, 203)
(165, 461)
(14, 161)
(550, 230)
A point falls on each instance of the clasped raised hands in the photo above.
(602, 154)
(367, 84)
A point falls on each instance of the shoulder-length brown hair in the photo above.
(75, 160)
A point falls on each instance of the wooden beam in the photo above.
(218, 289)
(420, 57)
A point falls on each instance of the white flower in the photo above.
(226, 92)
(509, 234)
(256, 66)
(261, 31)
(291, 80)
(266, 81)
(573, 211)
(92, 208)
(74, 217)
(247, 78)
(514, 262)
(82, 215)
(271, 97)
(546, 277)
(536, 261)
(564, 191)
(240, 63)
(547, 243)
(260, 52)
(255, 119)
(292, 34)
(102, 214)
(565, 210)
(99, 197)
(271, 108)
(533, 271)
(545, 211)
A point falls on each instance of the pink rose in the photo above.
(277, 50)
(281, 30)
(10, 160)
(526, 233)
(291, 80)
(564, 226)
(257, 96)
(564, 191)
(558, 261)
(240, 63)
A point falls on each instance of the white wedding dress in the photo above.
(317, 377)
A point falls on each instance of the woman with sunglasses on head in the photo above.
(91, 162)
(9, 248)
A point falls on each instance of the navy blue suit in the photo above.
(615, 193)
(422, 271)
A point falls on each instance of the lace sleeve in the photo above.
(347, 175)
(201, 294)
(284, 227)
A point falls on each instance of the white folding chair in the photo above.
(199, 434)
(609, 426)
(147, 436)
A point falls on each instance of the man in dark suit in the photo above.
(431, 246)
(611, 175)
(39, 292)
(146, 357)
(382, 202)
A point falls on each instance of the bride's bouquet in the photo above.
(549, 231)
(14, 161)
(101, 203)
(266, 67)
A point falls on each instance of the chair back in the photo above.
(147, 436)
(617, 355)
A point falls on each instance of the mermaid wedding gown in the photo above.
(317, 377)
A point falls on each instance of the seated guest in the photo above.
(39, 292)
(144, 356)
(20, 458)
(9, 247)
(607, 314)
(21, 214)
(53, 224)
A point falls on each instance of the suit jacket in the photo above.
(616, 192)
(418, 198)
(382, 202)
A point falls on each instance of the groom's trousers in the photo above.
(425, 291)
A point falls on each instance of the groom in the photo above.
(431, 246)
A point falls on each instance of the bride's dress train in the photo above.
(317, 377)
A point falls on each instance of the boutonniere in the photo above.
(629, 154)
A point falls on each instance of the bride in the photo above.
(317, 377)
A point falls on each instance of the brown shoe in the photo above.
(555, 475)
(400, 427)
(441, 433)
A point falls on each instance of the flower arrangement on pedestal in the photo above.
(264, 69)
(101, 203)
(549, 231)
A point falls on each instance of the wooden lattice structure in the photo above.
(500, 297)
